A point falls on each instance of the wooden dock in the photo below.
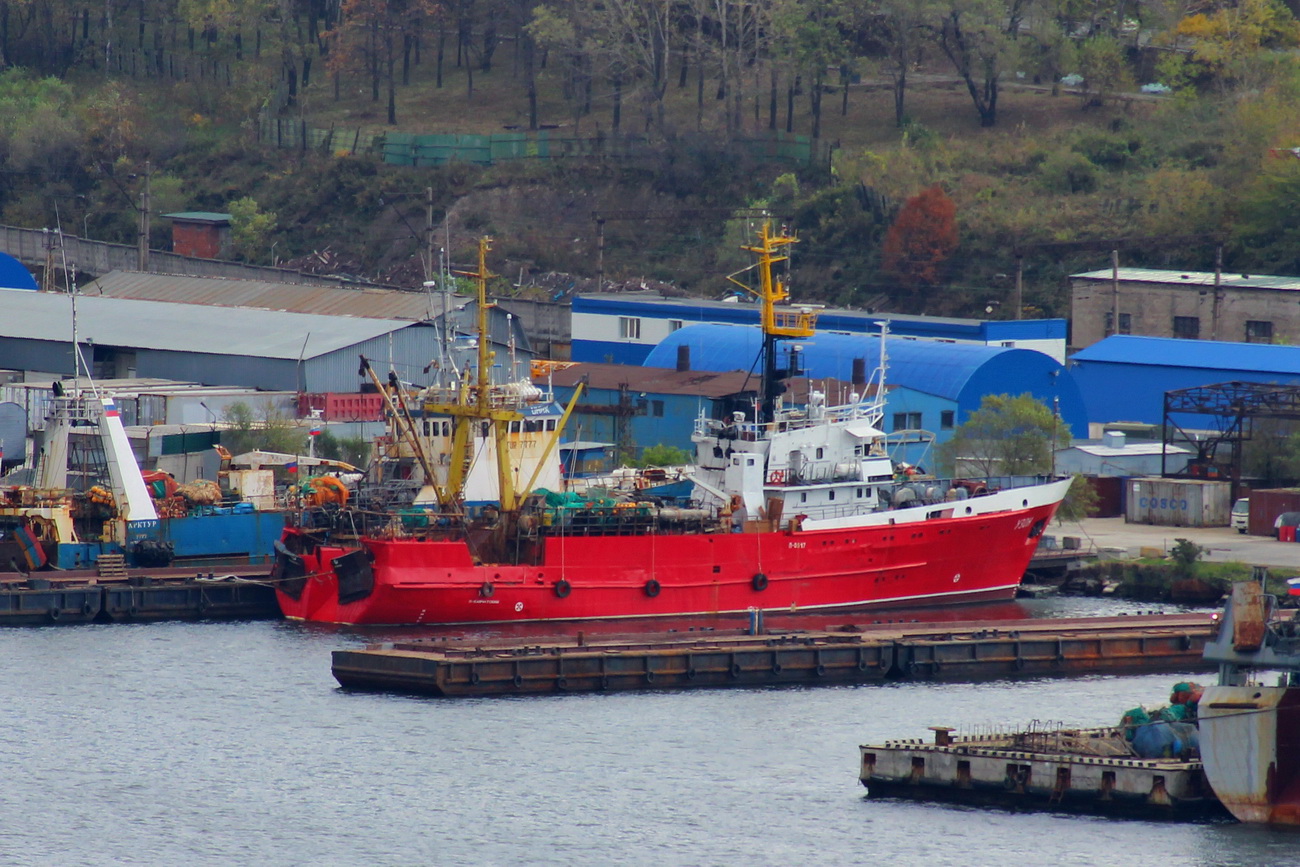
(721, 658)
(113, 596)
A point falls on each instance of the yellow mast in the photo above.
(476, 408)
(771, 291)
(778, 324)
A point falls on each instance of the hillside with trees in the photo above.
(927, 152)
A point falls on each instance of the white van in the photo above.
(1240, 518)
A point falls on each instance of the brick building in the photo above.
(1184, 304)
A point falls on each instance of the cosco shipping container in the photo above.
(1178, 502)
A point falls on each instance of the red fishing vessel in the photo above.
(795, 510)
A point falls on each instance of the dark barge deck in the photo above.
(721, 658)
(47, 598)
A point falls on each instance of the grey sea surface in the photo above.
(230, 743)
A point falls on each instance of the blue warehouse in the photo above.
(1124, 378)
(933, 386)
(624, 329)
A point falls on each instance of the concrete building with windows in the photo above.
(624, 328)
(1188, 305)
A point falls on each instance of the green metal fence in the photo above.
(410, 149)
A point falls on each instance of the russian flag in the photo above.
(292, 466)
(1293, 586)
(315, 431)
(110, 409)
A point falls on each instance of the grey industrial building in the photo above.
(262, 349)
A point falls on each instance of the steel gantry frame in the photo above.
(1234, 406)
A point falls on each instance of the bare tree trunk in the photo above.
(530, 76)
(618, 101)
(442, 53)
(771, 102)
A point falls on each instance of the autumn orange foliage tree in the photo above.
(922, 237)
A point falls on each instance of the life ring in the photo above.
(649, 677)
(821, 670)
(563, 588)
(474, 677)
(561, 682)
(86, 608)
(486, 590)
(519, 681)
(758, 582)
(691, 673)
(132, 611)
(776, 668)
(55, 614)
(652, 588)
(735, 669)
(776, 477)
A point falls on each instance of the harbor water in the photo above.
(230, 743)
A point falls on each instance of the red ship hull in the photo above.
(967, 559)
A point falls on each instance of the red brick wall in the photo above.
(196, 239)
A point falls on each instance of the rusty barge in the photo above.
(111, 594)
(1041, 767)
(722, 658)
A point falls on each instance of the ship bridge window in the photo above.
(880, 478)
(550, 424)
(821, 453)
(749, 462)
(531, 426)
(861, 493)
(830, 495)
(803, 497)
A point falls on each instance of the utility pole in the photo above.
(1020, 272)
(600, 253)
(1114, 289)
(47, 278)
(428, 233)
(142, 258)
(1214, 305)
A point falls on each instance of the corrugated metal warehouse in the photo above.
(624, 328)
(226, 346)
(958, 374)
(367, 302)
(530, 321)
(1125, 378)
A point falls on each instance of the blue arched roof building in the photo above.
(954, 377)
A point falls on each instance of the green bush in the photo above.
(1068, 172)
